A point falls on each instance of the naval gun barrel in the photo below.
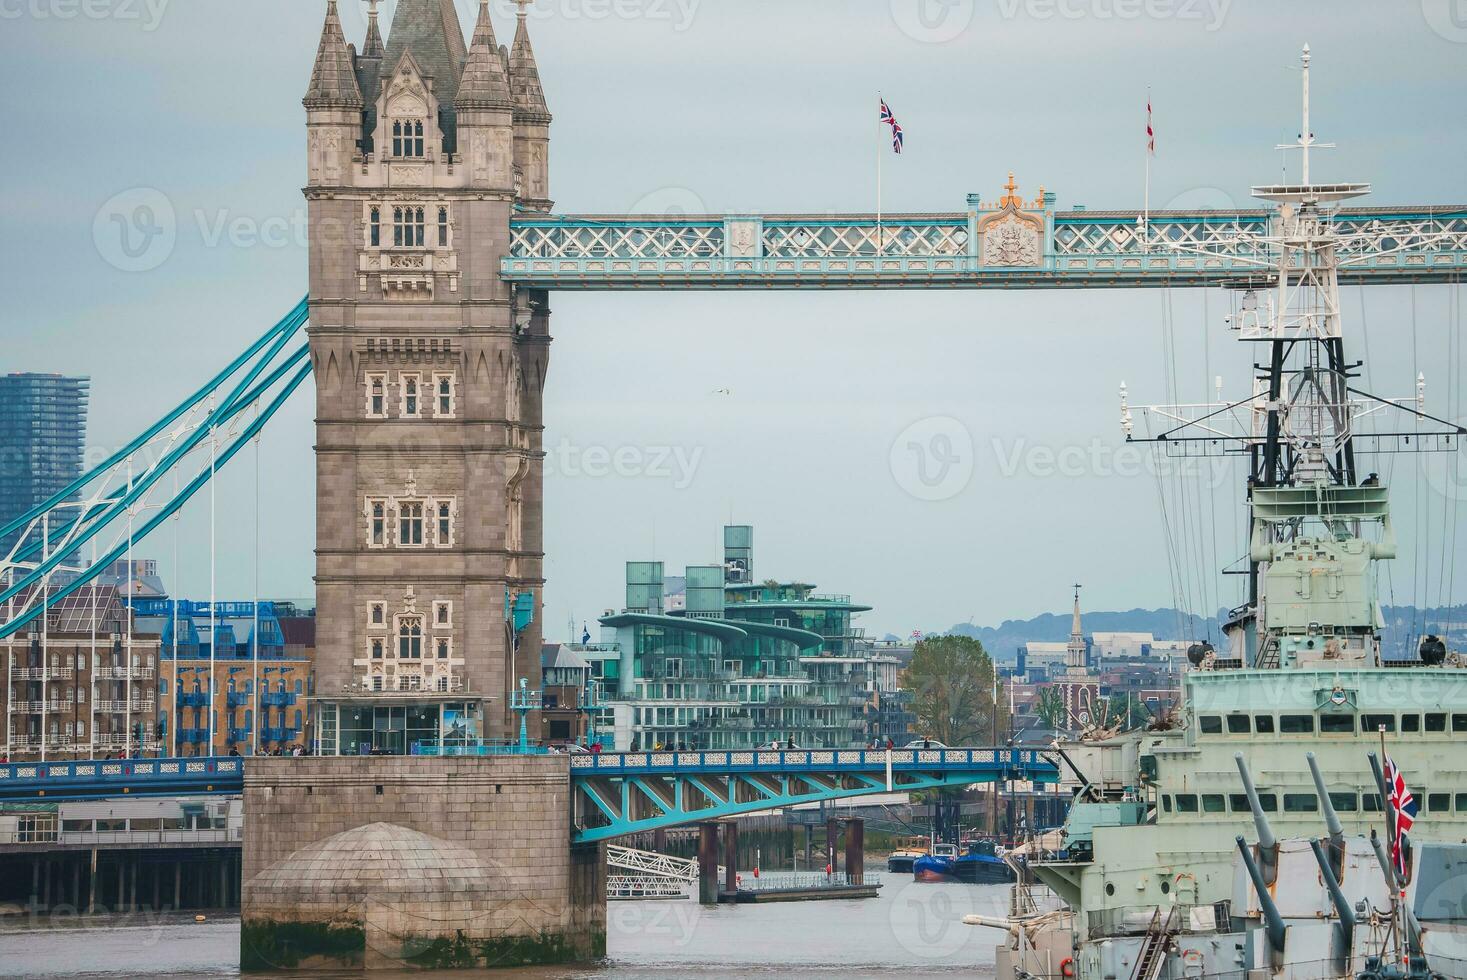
(1342, 905)
(1271, 917)
(1331, 819)
(1268, 845)
(1413, 925)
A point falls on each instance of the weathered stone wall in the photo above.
(546, 901)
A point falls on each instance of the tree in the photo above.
(1049, 706)
(952, 682)
(1124, 710)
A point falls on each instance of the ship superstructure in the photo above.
(1149, 867)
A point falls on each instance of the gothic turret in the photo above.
(334, 79)
(484, 84)
(373, 46)
(531, 118)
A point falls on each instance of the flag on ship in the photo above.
(898, 137)
(1403, 810)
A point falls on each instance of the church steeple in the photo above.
(484, 83)
(1075, 649)
(333, 80)
(524, 74)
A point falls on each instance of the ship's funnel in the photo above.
(1331, 820)
(1273, 922)
(1345, 928)
(1268, 846)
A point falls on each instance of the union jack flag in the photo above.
(898, 138)
(1403, 809)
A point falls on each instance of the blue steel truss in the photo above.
(613, 794)
(189, 444)
(1078, 249)
(626, 793)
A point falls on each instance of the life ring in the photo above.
(1067, 967)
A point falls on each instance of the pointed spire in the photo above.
(373, 46)
(484, 82)
(334, 79)
(430, 29)
(524, 74)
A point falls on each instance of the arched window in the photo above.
(376, 649)
(410, 638)
(376, 227)
(407, 138)
(443, 227)
(399, 227)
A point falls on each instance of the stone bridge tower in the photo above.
(429, 375)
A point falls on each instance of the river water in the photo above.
(912, 928)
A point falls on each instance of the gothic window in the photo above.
(410, 638)
(443, 683)
(407, 227)
(376, 396)
(377, 648)
(443, 514)
(375, 225)
(443, 645)
(445, 395)
(443, 227)
(377, 616)
(412, 398)
(377, 682)
(410, 523)
(407, 138)
(376, 523)
(442, 614)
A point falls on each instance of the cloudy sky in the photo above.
(765, 106)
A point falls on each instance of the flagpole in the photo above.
(1146, 222)
(1393, 840)
(879, 155)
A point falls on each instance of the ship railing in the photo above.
(805, 880)
(1138, 920)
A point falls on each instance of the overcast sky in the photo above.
(764, 106)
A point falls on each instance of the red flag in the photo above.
(1150, 133)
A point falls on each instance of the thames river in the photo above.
(912, 928)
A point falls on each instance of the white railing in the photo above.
(124, 673)
(37, 707)
(651, 863)
(102, 837)
(43, 673)
(645, 886)
(139, 706)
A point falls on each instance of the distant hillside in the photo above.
(1404, 624)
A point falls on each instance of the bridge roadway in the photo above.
(614, 793)
(1016, 245)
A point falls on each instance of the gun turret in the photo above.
(1268, 845)
(1331, 820)
(1345, 930)
(1274, 922)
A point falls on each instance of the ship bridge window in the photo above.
(1296, 724)
(1263, 724)
(1459, 723)
(1213, 803)
(1410, 723)
(1239, 725)
(1370, 802)
(1436, 723)
(1344, 802)
(1336, 724)
(1300, 803)
(1462, 802)
(1211, 724)
(1374, 723)
(1238, 802)
(1166, 803)
(1439, 802)
(1186, 802)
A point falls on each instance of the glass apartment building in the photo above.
(718, 661)
(43, 421)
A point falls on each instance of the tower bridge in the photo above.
(434, 250)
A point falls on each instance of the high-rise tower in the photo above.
(429, 375)
(43, 421)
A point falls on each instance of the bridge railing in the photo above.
(622, 763)
(122, 773)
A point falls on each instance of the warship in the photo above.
(1234, 837)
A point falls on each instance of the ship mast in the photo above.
(1298, 427)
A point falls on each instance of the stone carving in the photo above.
(313, 154)
(408, 173)
(743, 239)
(481, 156)
(1011, 241)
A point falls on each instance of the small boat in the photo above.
(908, 851)
(982, 865)
(939, 866)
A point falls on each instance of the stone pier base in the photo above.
(413, 863)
